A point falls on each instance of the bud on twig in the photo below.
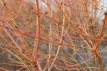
(105, 13)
